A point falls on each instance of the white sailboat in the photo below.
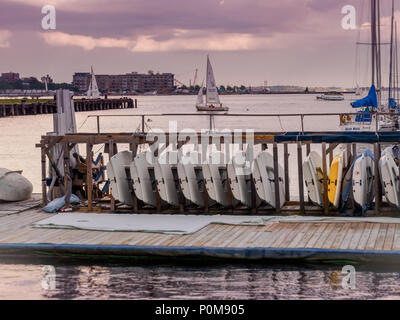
(212, 102)
(93, 91)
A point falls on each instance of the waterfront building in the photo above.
(128, 83)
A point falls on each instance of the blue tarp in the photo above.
(371, 100)
(392, 103)
(58, 203)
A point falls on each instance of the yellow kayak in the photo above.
(335, 179)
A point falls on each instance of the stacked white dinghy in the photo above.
(13, 186)
(143, 178)
(166, 175)
(118, 174)
(239, 174)
(389, 174)
(363, 180)
(264, 179)
(312, 171)
(216, 178)
(191, 177)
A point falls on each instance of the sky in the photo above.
(296, 42)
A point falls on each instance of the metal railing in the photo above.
(211, 116)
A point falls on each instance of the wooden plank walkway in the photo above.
(363, 241)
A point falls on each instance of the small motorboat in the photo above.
(13, 186)
(331, 96)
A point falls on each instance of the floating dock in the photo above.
(33, 108)
(292, 241)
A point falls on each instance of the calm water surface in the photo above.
(127, 280)
(22, 279)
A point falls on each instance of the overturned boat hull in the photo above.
(13, 186)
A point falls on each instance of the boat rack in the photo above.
(327, 140)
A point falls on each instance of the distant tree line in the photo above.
(34, 84)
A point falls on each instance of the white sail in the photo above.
(200, 98)
(212, 93)
(93, 91)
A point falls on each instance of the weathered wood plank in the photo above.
(381, 236)
(317, 234)
(365, 236)
(396, 238)
(340, 236)
(373, 236)
(388, 244)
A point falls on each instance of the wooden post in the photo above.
(308, 149)
(286, 168)
(377, 190)
(98, 124)
(330, 154)
(89, 178)
(325, 180)
(300, 173)
(43, 161)
(67, 180)
(110, 155)
(276, 178)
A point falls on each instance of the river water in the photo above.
(149, 279)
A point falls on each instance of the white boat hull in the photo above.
(13, 186)
(310, 166)
(191, 179)
(389, 174)
(142, 181)
(363, 178)
(215, 178)
(166, 177)
(240, 179)
(119, 163)
(264, 179)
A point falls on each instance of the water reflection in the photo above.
(160, 281)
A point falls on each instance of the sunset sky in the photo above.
(299, 42)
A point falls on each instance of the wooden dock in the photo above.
(21, 109)
(310, 241)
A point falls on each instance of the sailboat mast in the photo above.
(396, 65)
(391, 54)
(373, 39)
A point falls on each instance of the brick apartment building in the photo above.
(127, 83)
(9, 77)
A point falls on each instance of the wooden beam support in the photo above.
(377, 189)
(325, 179)
(286, 168)
(300, 176)
(89, 177)
(276, 178)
